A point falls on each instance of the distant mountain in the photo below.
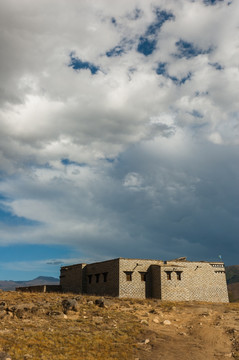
(40, 280)
(232, 274)
(233, 292)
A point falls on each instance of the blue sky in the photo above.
(119, 132)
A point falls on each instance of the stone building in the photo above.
(175, 280)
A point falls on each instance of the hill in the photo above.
(232, 274)
(43, 326)
(10, 285)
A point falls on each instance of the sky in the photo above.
(119, 132)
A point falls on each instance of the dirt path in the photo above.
(191, 332)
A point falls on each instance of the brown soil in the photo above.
(33, 326)
(197, 332)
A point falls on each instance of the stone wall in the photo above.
(137, 287)
(137, 278)
(71, 278)
(102, 278)
(40, 288)
(198, 281)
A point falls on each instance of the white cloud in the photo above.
(133, 181)
(215, 138)
(149, 124)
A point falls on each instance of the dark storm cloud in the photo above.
(111, 145)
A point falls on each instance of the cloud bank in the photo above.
(119, 127)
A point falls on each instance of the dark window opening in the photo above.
(128, 275)
(217, 265)
(143, 276)
(105, 276)
(89, 278)
(97, 276)
(169, 275)
(179, 275)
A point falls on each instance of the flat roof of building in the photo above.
(182, 259)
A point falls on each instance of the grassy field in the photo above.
(34, 326)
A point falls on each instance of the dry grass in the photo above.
(40, 331)
(44, 332)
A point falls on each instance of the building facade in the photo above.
(174, 280)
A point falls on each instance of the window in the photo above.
(128, 275)
(168, 273)
(97, 276)
(105, 276)
(143, 275)
(217, 265)
(89, 278)
(179, 275)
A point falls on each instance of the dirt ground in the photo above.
(195, 332)
(36, 327)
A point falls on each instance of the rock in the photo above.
(153, 311)
(146, 341)
(69, 304)
(2, 305)
(205, 314)
(27, 356)
(54, 313)
(20, 310)
(156, 320)
(34, 309)
(97, 319)
(108, 303)
(19, 313)
(102, 302)
(4, 356)
(145, 322)
(166, 322)
(2, 314)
